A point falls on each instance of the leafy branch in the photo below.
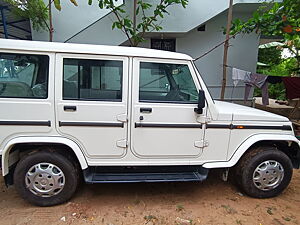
(37, 11)
(275, 19)
(145, 18)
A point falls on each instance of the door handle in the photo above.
(146, 110)
(70, 108)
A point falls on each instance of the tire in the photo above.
(45, 178)
(264, 172)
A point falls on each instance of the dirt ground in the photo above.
(210, 202)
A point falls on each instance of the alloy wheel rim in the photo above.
(268, 175)
(45, 180)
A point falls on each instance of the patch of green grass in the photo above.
(180, 221)
(270, 210)
(191, 222)
(136, 201)
(229, 209)
(179, 208)
(150, 218)
(238, 222)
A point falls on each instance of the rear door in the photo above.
(92, 102)
(164, 124)
(26, 94)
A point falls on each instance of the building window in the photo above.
(23, 75)
(202, 28)
(86, 79)
(164, 44)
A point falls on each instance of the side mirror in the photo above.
(201, 102)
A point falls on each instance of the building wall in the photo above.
(89, 24)
(242, 54)
(71, 20)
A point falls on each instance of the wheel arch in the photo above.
(281, 141)
(11, 144)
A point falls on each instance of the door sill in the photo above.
(107, 174)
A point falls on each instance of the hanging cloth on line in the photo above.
(238, 75)
(274, 79)
(259, 81)
(292, 86)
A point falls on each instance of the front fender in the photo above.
(54, 140)
(239, 152)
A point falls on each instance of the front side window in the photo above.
(23, 75)
(86, 79)
(162, 82)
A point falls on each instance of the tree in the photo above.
(270, 56)
(38, 12)
(226, 46)
(276, 19)
(144, 19)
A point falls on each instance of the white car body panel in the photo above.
(223, 132)
(93, 112)
(229, 111)
(36, 139)
(246, 145)
(56, 47)
(169, 142)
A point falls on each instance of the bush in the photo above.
(276, 91)
(283, 69)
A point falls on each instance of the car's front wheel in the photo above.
(45, 178)
(264, 172)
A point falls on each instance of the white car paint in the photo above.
(36, 139)
(8, 44)
(246, 145)
(216, 142)
(230, 111)
(97, 111)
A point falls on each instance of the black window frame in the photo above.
(79, 98)
(170, 80)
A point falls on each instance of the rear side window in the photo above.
(164, 82)
(92, 80)
(23, 75)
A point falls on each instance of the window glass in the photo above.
(23, 75)
(92, 79)
(161, 82)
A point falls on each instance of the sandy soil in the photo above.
(210, 202)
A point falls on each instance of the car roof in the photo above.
(56, 47)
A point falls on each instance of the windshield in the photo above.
(202, 82)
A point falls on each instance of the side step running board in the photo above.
(133, 176)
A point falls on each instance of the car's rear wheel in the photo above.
(264, 172)
(45, 178)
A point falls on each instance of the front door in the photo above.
(164, 124)
(91, 102)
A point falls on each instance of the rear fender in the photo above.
(55, 140)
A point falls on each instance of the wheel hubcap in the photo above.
(268, 175)
(45, 179)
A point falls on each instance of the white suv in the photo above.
(119, 114)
